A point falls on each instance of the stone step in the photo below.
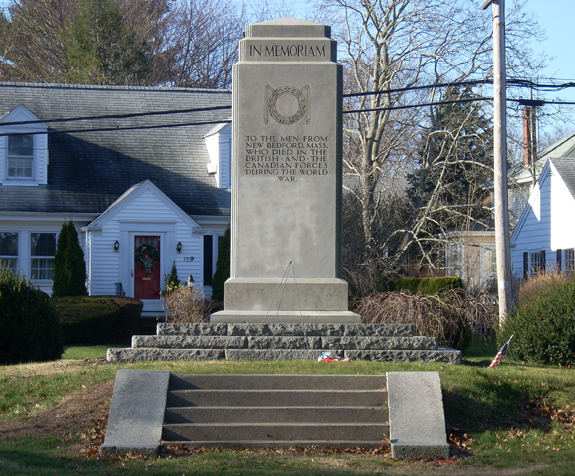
(309, 414)
(254, 444)
(271, 432)
(278, 329)
(276, 398)
(285, 342)
(276, 382)
(266, 411)
(150, 354)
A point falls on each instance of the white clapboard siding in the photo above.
(546, 222)
(145, 212)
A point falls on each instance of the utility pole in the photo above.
(501, 210)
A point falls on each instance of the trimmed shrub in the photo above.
(128, 320)
(87, 319)
(172, 280)
(69, 264)
(222, 268)
(29, 327)
(544, 324)
(426, 286)
(442, 316)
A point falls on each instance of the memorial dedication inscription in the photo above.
(288, 158)
(286, 178)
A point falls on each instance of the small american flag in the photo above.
(501, 354)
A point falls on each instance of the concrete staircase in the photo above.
(151, 408)
(263, 411)
(277, 341)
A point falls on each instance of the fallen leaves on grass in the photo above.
(537, 411)
(460, 443)
(94, 437)
(168, 451)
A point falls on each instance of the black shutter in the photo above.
(526, 265)
(559, 264)
(543, 264)
(208, 259)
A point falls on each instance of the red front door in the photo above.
(147, 267)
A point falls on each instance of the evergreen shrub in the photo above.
(222, 268)
(543, 325)
(69, 264)
(87, 319)
(172, 280)
(29, 326)
(128, 320)
(426, 286)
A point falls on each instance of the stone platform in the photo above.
(277, 341)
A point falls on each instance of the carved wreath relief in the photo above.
(287, 105)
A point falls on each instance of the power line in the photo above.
(118, 116)
(119, 128)
(410, 106)
(517, 82)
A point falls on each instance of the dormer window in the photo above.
(20, 156)
(23, 149)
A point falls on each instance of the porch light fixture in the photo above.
(179, 247)
(116, 246)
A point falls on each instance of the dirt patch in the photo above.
(72, 415)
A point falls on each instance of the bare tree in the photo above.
(35, 45)
(391, 47)
(187, 43)
(206, 39)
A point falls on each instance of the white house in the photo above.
(544, 238)
(470, 252)
(143, 172)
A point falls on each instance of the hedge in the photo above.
(97, 319)
(426, 286)
(29, 327)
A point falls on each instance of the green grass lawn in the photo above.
(513, 419)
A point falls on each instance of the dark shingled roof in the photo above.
(566, 168)
(88, 171)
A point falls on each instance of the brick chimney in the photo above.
(529, 135)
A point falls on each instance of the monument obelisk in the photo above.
(286, 178)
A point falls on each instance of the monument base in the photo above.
(286, 317)
(313, 300)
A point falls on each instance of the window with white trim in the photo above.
(454, 259)
(23, 149)
(20, 156)
(42, 251)
(9, 250)
(489, 260)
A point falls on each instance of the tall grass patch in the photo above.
(451, 316)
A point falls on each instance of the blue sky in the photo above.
(556, 18)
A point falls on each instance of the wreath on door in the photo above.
(146, 256)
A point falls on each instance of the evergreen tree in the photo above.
(101, 48)
(448, 187)
(222, 268)
(69, 265)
